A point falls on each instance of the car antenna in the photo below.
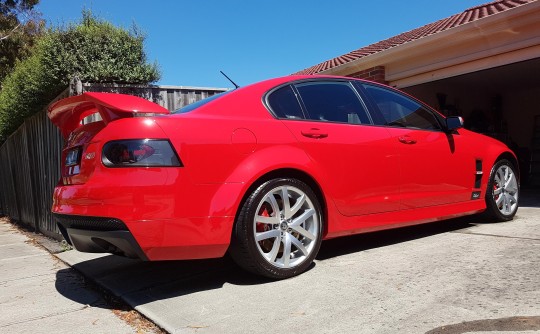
(234, 83)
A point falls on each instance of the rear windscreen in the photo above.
(198, 104)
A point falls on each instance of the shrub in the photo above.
(93, 50)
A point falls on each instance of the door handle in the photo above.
(407, 140)
(314, 133)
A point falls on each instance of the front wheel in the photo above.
(502, 193)
(278, 231)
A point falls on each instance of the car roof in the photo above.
(247, 101)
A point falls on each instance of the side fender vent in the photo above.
(478, 175)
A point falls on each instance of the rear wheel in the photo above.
(502, 194)
(278, 231)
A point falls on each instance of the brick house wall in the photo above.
(376, 74)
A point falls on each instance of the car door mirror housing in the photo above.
(454, 123)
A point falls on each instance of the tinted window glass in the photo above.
(198, 104)
(284, 103)
(333, 102)
(399, 110)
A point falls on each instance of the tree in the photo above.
(20, 24)
(93, 50)
(96, 51)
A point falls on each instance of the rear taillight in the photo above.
(140, 153)
(72, 161)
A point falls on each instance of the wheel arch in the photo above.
(512, 158)
(295, 174)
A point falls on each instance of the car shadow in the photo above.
(138, 282)
(361, 242)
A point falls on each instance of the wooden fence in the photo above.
(30, 157)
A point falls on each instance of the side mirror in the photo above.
(453, 123)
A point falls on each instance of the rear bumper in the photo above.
(115, 242)
(167, 220)
(153, 240)
(99, 235)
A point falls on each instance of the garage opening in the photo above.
(501, 102)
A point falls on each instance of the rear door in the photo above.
(358, 160)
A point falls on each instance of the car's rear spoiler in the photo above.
(68, 113)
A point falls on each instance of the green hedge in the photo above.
(93, 50)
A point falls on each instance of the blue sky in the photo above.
(253, 40)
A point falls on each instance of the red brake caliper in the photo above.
(266, 245)
(495, 185)
(260, 227)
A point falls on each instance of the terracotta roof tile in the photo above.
(467, 16)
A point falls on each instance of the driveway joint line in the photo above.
(21, 257)
(27, 277)
(497, 236)
(45, 316)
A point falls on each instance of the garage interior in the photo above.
(501, 102)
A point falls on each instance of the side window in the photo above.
(284, 103)
(399, 110)
(332, 102)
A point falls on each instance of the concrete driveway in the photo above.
(454, 276)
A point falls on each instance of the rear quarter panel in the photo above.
(235, 144)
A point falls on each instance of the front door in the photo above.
(435, 168)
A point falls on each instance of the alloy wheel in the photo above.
(505, 190)
(286, 226)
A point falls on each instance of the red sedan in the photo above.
(268, 171)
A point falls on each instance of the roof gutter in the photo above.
(479, 30)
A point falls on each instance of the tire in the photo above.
(276, 238)
(502, 194)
